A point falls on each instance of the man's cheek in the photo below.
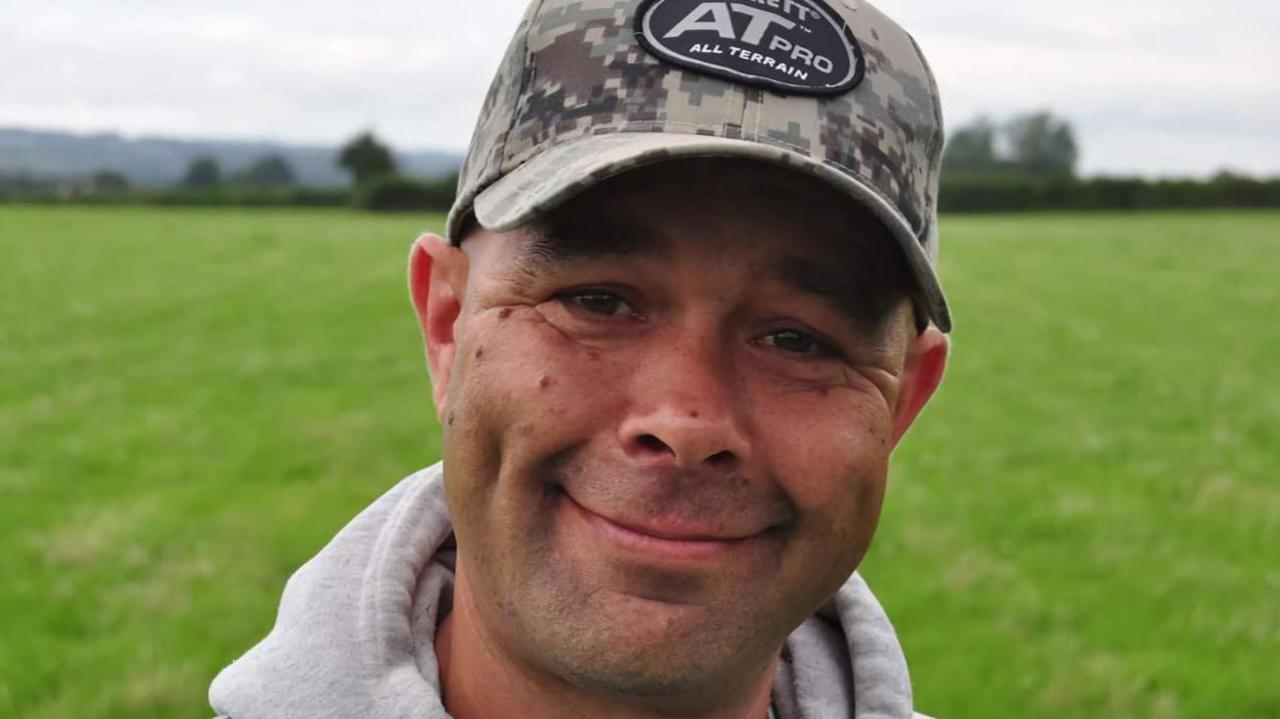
(834, 480)
(529, 386)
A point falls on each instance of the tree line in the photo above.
(376, 182)
(1029, 162)
(269, 180)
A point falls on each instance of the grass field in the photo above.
(1086, 523)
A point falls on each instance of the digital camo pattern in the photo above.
(575, 69)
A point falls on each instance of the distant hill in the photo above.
(163, 161)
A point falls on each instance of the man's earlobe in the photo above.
(925, 364)
(437, 284)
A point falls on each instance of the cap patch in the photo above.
(795, 46)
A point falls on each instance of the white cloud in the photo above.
(1170, 87)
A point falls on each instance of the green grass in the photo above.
(1086, 523)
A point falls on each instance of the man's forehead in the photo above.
(658, 209)
(611, 234)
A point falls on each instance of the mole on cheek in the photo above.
(479, 352)
(504, 313)
(544, 381)
(451, 418)
(694, 414)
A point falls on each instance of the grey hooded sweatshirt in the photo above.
(354, 634)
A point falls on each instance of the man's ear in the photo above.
(925, 363)
(437, 284)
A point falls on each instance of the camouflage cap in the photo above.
(592, 88)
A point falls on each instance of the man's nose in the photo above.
(686, 410)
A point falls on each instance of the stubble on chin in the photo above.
(570, 625)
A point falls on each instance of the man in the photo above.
(684, 311)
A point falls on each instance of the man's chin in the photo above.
(643, 645)
(629, 647)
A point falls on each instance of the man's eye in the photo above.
(599, 302)
(800, 343)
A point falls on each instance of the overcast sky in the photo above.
(1157, 87)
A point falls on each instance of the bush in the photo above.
(1009, 192)
(240, 196)
(216, 196)
(391, 193)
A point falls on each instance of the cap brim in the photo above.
(560, 172)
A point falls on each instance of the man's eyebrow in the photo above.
(857, 296)
(567, 239)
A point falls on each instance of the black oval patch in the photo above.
(796, 46)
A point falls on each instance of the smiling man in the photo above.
(683, 313)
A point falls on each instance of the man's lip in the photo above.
(661, 540)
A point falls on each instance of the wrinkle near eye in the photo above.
(541, 310)
(874, 380)
(529, 312)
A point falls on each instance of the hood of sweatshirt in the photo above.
(354, 635)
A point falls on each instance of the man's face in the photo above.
(666, 430)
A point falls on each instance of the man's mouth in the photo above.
(665, 539)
